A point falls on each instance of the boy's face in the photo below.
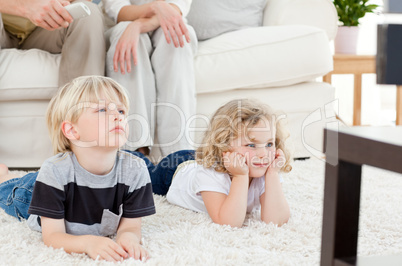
(102, 124)
(258, 147)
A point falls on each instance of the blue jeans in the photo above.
(16, 195)
(162, 173)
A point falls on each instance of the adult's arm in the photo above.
(123, 10)
(169, 16)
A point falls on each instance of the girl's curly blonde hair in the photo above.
(229, 122)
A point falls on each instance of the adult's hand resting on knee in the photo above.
(128, 42)
(127, 46)
(172, 23)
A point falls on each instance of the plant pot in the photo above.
(346, 40)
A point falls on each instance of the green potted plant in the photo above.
(349, 13)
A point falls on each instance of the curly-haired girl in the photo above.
(234, 171)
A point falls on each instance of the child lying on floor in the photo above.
(90, 189)
(236, 168)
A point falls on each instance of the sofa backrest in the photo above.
(318, 13)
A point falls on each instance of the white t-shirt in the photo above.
(191, 178)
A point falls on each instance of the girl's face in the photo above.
(258, 147)
(103, 124)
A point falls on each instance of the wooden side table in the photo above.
(356, 65)
(359, 65)
(399, 105)
(346, 151)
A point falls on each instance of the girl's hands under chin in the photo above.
(278, 162)
(235, 163)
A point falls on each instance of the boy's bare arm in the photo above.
(54, 235)
(129, 238)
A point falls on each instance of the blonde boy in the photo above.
(90, 189)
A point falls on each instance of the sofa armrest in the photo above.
(319, 13)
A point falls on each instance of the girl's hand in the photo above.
(171, 22)
(278, 162)
(132, 247)
(235, 163)
(104, 248)
(127, 46)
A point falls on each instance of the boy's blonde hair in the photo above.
(229, 122)
(72, 99)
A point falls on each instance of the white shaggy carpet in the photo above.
(175, 236)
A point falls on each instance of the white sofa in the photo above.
(277, 63)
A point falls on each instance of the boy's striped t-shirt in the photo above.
(89, 203)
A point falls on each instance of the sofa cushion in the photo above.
(211, 18)
(28, 74)
(24, 132)
(262, 57)
(250, 58)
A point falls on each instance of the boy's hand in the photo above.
(278, 162)
(104, 248)
(128, 237)
(129, 242)
(235, 163)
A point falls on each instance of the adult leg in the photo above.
(148, 162)
(16, 195)
(82, 45)
(140, 84)
(162, 174)
(6, 41)
(175, 88)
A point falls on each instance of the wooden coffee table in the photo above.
(359, 65)
(346, 152)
